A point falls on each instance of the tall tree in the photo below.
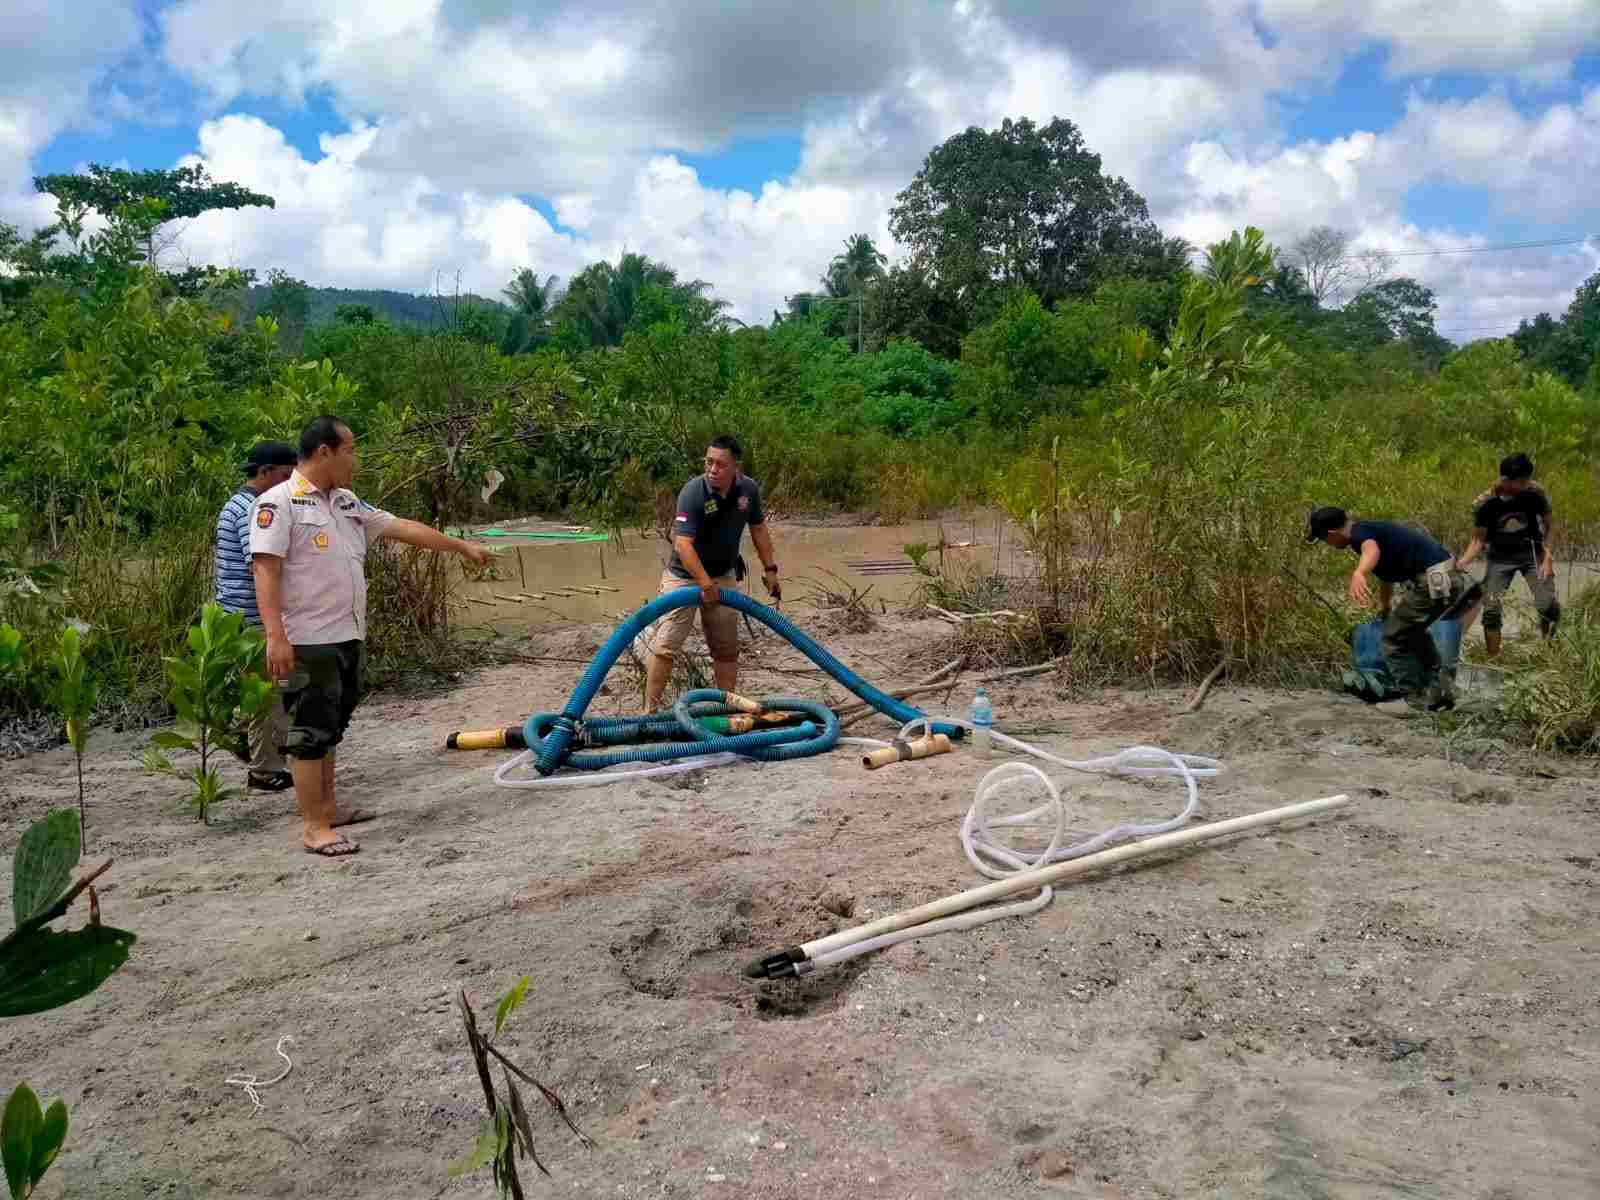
(1023, 206)
(605, 300)
(182, 193)
(530, 297)
(289, 304)
(532, 302)
(1397, 310)
(859, 263)
(909, 302)
(1332, 273)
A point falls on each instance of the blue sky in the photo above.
(743, 145)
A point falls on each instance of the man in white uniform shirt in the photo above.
(309, 538)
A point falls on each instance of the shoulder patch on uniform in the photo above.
(266, 514)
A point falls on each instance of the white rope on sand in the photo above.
(250, 1083)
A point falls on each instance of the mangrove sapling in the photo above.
(507, 1132)
(43, 968)
(73, 698)
(217, 689)
(30, 1139)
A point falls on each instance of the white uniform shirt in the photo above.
(323, 540)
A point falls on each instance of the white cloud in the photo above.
(339, 222)
(51, 57)
(1538, 39)
(454, 109)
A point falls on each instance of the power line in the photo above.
(1493, 316)
(1540, 245)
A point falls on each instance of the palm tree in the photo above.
(604, 297)
(531, 304)
(851, 270)
(527, 295)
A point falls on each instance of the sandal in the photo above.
(269, 781)
(338, 848)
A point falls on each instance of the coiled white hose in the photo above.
(983, 851)
(998, 861)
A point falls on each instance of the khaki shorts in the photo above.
(721, 624)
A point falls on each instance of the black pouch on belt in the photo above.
(739, 569)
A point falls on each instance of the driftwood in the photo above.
(927, 683)
(1020, 672)
(962, 618)
(1205, 687)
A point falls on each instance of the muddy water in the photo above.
(812, 557)
(621, 578)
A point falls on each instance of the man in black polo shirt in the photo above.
(1512, 519)
(713, 510)
(1429, 580)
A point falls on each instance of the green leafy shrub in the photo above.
(217, 688)
(73, 697)
(1554, 698)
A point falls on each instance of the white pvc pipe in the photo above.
(822, 950)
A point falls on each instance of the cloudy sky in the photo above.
(409, 143)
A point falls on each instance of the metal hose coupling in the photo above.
(785, 964)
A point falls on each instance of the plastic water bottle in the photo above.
(982, 724)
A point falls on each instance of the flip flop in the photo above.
(357, 817)
(334, 849)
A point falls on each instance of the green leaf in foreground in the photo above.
(47, 969)
(482, 1154)
(45, 856)
(509, 1004)
(19, 1128)
(48, 1141)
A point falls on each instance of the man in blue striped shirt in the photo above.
(268, 465)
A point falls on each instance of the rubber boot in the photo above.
(1491, 642)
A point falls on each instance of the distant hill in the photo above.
(398, 308)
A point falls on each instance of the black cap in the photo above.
(1516, 466)
(270, 454)
(1324, 519)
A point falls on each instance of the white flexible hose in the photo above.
(997, 861)
(983, 851)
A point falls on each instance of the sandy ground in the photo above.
(1397, 1000)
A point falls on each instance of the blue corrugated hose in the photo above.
(551, 736)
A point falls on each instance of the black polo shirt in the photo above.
(1513, 525)
(1403, 553)
(715, 523)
